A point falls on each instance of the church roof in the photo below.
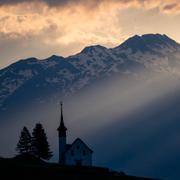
(68, 146)
(62, 127)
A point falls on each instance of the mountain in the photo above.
(25, 79)
(124, 101)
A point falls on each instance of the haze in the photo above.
(132, 126)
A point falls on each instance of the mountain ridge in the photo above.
(149, 52)
(97, 46)
(123, 100)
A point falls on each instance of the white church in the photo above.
(77, 153)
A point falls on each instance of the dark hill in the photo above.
(33, 168)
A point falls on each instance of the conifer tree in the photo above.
(40, 145)
(24, 144)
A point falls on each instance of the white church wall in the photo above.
(79, 154)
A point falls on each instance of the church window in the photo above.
(78, 147)
(72, 153)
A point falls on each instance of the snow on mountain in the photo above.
(33, 77)
(143, 117)
(17, 74)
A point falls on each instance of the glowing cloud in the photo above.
(66, 26)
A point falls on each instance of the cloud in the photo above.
(164, 5)
(32, 17)
(63, 27)
(173, 8)
(170, 6)
(59, 3)
(77, 23)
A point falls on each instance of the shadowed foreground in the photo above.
(33, 168)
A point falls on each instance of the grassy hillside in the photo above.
(32, 168)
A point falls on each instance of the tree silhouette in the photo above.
(40, 145)
(24, 144)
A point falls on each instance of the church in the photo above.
(77, 153)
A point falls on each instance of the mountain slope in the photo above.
(151, 52)
(32, 77)
(124, 100)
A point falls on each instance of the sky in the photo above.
(41, 28)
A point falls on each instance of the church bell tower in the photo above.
(62, 137)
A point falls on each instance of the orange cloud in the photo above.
(172, 8)
(75, 23)
(72, 20)
(34, 16)
(69, 25)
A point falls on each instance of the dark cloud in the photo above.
(170, 7)
(95, 3)
(61, 3)
(49, 2)
(91, 3)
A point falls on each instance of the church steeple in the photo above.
(62, 128)
(62, 137)
(77, 153)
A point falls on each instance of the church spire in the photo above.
(62, 128)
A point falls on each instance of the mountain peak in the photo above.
(135, 43)
(158, 39)
(90, 49)
(54, 57)
(148, 41)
